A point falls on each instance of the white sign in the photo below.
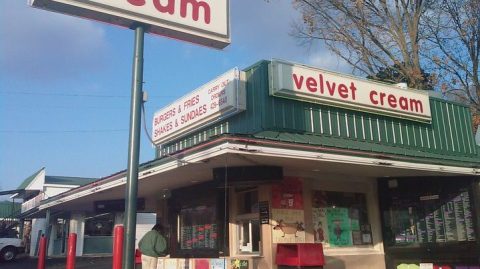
(426, 266)
(320, 86)
(204, 22)
(212, 102)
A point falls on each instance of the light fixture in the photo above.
(165, 194)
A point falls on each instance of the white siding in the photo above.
(51, 191)
(145, 222)
(37, 182)
(77, 225)
(37, 225)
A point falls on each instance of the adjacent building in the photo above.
(33, 190)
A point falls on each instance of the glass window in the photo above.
(427, 211)
(247, 221)
(198, 228)
(197, 215)
(340, 219)
(100, 225)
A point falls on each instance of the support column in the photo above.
(21, 227)
(47, 227)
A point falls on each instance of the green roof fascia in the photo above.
(391, 151)
(60, 180)
(29, 179)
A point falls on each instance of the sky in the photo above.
(65, 82)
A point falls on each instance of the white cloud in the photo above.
(328, 60)
(40, 45)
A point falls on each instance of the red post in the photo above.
(42, 251)
(118, 247)
(71, 250)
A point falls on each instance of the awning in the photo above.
(12, 192)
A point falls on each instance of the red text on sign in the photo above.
(390, 100)
(169, 6)
(313, 85)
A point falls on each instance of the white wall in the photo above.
(51, 191)
(37, 225)
(77, 225)
(38, 182)
(145, 222)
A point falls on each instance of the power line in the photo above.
(62, 131)
(62, 94)
(77, 95)
(44, 106)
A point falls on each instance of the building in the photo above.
(33, 190)
(282, 153)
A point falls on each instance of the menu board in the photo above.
(460, 218)
(440, 220)
(198, 236)
(439, 225)
(422, 230)
(449, 222)
(467, 211)
(430, 222)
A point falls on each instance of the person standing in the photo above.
(152, 245)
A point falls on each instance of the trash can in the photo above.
(300, 255)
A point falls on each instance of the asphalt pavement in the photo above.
(59, 263)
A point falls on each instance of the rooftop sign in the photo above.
(203, 22)
(315, 85)
(212, 102)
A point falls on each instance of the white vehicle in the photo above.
(9, 248)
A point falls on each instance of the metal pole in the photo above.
(21, 226)
(133, 151)
(47, 230)
(71, 251)
(117, 247)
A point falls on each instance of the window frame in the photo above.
(242, 215)
(198, 195)
(346, 183)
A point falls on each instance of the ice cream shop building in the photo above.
(280, 162)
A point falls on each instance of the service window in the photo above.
(100, 225)
(197, 219)
(340, 219)
(247, 221)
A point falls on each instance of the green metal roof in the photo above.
(59, 180)
(6, 209)
(448, 137)
(29, 179)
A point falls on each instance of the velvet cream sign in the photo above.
(315, 85)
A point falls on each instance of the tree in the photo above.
(452, 49)
(390, 74)
(370, 35)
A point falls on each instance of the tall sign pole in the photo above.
(133, 150)
(197, 21)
